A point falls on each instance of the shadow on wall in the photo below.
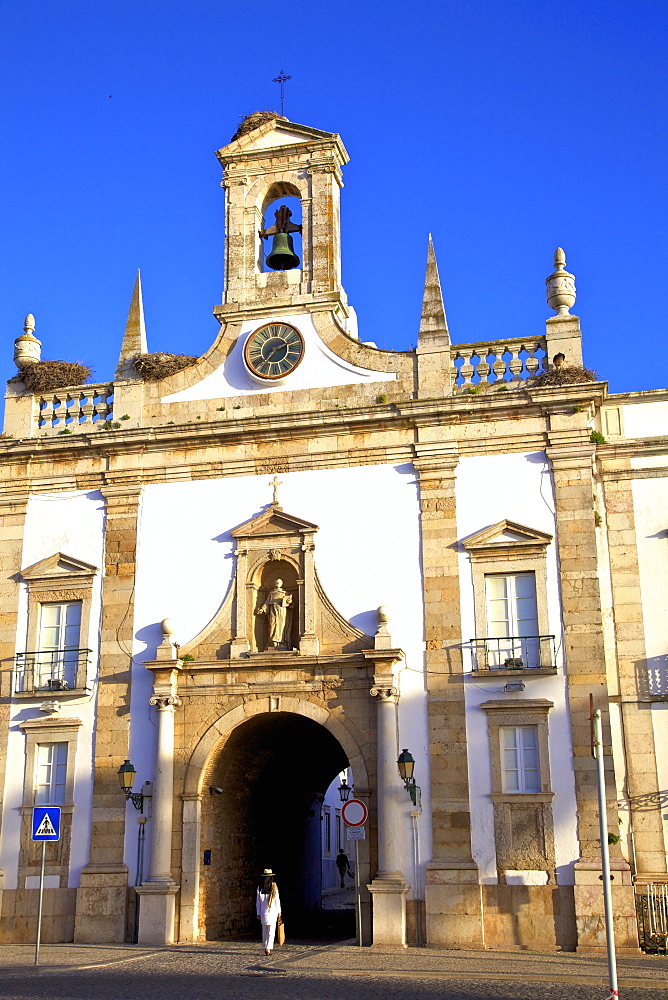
(652, 678)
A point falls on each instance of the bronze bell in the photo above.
(282, 256)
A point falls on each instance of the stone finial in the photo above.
(561, 293)
(27, 348)
(383, 639)
(134, 338)
(167, 650)
(168, 626)
(433, 324)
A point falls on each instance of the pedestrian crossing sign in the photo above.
(46, 823)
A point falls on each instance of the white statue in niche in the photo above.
(276, 607)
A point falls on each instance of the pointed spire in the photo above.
(433, 324)
(134, 339)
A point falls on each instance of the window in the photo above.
(339, 832)
(58, 655)
(512, 615)
(519, 758)
(509, 573)
(50, 773)
(60, 595)
(520, 784)
(328, 831)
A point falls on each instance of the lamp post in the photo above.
(126, 778)
(406, 764)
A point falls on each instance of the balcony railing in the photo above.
(515, 652)
(51, 670)
(497, 364)
(79, 409)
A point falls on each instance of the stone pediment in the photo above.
(275, 133)
(506, 535)
(273, 521)
(58, 565)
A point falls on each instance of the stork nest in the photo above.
(565, 375)
(153, 367)
(46, 376)
(254, 120)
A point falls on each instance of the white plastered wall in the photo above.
(72, 523)
(319, 368)
(650, 502)
(645, 419)
(519, 488)
(367, 553)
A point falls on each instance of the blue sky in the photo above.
(504, 128)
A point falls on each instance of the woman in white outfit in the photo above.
(268, 909)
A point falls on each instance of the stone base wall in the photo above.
(19, 916)
(504, 917)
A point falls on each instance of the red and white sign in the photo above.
(354, 813)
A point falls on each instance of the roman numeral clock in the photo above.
(273, 352)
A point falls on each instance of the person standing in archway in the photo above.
(343, 864)
(268, 909)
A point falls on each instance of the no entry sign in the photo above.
(354, 813)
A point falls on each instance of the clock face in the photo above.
(274, 351)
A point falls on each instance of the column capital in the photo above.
(162, 701)
(385, 692)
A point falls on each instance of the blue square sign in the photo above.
(46, 823)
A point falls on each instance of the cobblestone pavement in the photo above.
(240, 971)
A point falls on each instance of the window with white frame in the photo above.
(339, 831)
(512, 620)
(520, 762)
(327, 820)
(59, 635)
(50, 773)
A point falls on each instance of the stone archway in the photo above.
(273, 767)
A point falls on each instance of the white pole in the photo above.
(416, 870)
(358, 896)
(605, 856)
(39, 905)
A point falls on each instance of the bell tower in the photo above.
(268, 159)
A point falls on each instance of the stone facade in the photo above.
(405, 479)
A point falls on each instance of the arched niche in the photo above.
(280, 193)
(265, 579)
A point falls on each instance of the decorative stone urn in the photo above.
(27, 348)
(561, 293)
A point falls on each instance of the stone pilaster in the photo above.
(157, 893)
(388, 889)
(12, 527)
(452, 896)
(631, 661)
(102, 896)
(571, 455)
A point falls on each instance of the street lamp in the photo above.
(126, 777)
(406, 764)
(344, 790)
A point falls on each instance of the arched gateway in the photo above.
(256, 716)
(252, 797)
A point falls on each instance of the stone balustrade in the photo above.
(82, 408)
(485, 364)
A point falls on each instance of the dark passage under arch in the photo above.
(273, 771)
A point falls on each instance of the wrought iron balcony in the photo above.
(51, 670)
(526, 652)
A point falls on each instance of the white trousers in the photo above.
(268, 932)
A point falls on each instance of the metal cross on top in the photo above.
(276, 482)
(281, 78)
